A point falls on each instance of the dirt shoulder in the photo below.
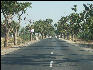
(7, 50)
(88, 46)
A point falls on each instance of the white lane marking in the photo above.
(51, 52)
(51, 63)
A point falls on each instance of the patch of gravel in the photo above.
(16, 47)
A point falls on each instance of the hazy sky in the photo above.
(51, 9)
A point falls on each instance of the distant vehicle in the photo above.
(50, 36)
(55, 36)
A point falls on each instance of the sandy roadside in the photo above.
(12, 49)
(86, 49)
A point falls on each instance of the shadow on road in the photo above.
(43, 58)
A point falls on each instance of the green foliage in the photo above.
(24, 34)
(62, 25)
(9, 9)
(87, 26)
(44, 27)
(79, 24)
(13, 7)
(14, 25)
(75, 8)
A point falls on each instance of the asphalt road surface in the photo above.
(48, 54)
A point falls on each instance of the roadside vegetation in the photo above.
(77, 25)
(72, 27)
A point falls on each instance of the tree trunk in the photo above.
(64, 35)
(45, 35)
(42, 35)
(38, 35)
(72, 37)
(6, 39)
(75, 38)
(67, 36)
(61, 35)
(6, 33)
(15, 37)
(31, 36)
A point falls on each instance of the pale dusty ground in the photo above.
(87, 49)
(11, 49)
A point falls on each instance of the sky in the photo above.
(50, 9)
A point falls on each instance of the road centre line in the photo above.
(52, 53)
(51, 63)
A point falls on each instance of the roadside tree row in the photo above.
(78, 25)
(9, 9)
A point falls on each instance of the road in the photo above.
(48, 54)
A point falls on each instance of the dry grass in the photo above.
(10, 42)
(7, 50)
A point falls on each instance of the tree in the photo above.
(14, 29)
(49, 29)
(22, 33)
(2, 29)
(44, 27)
(62, 26)
(87, 22)
(74, 20)
(9, 9)
(28, 29)
(77, 24)
(49, 21)
(22, 7)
